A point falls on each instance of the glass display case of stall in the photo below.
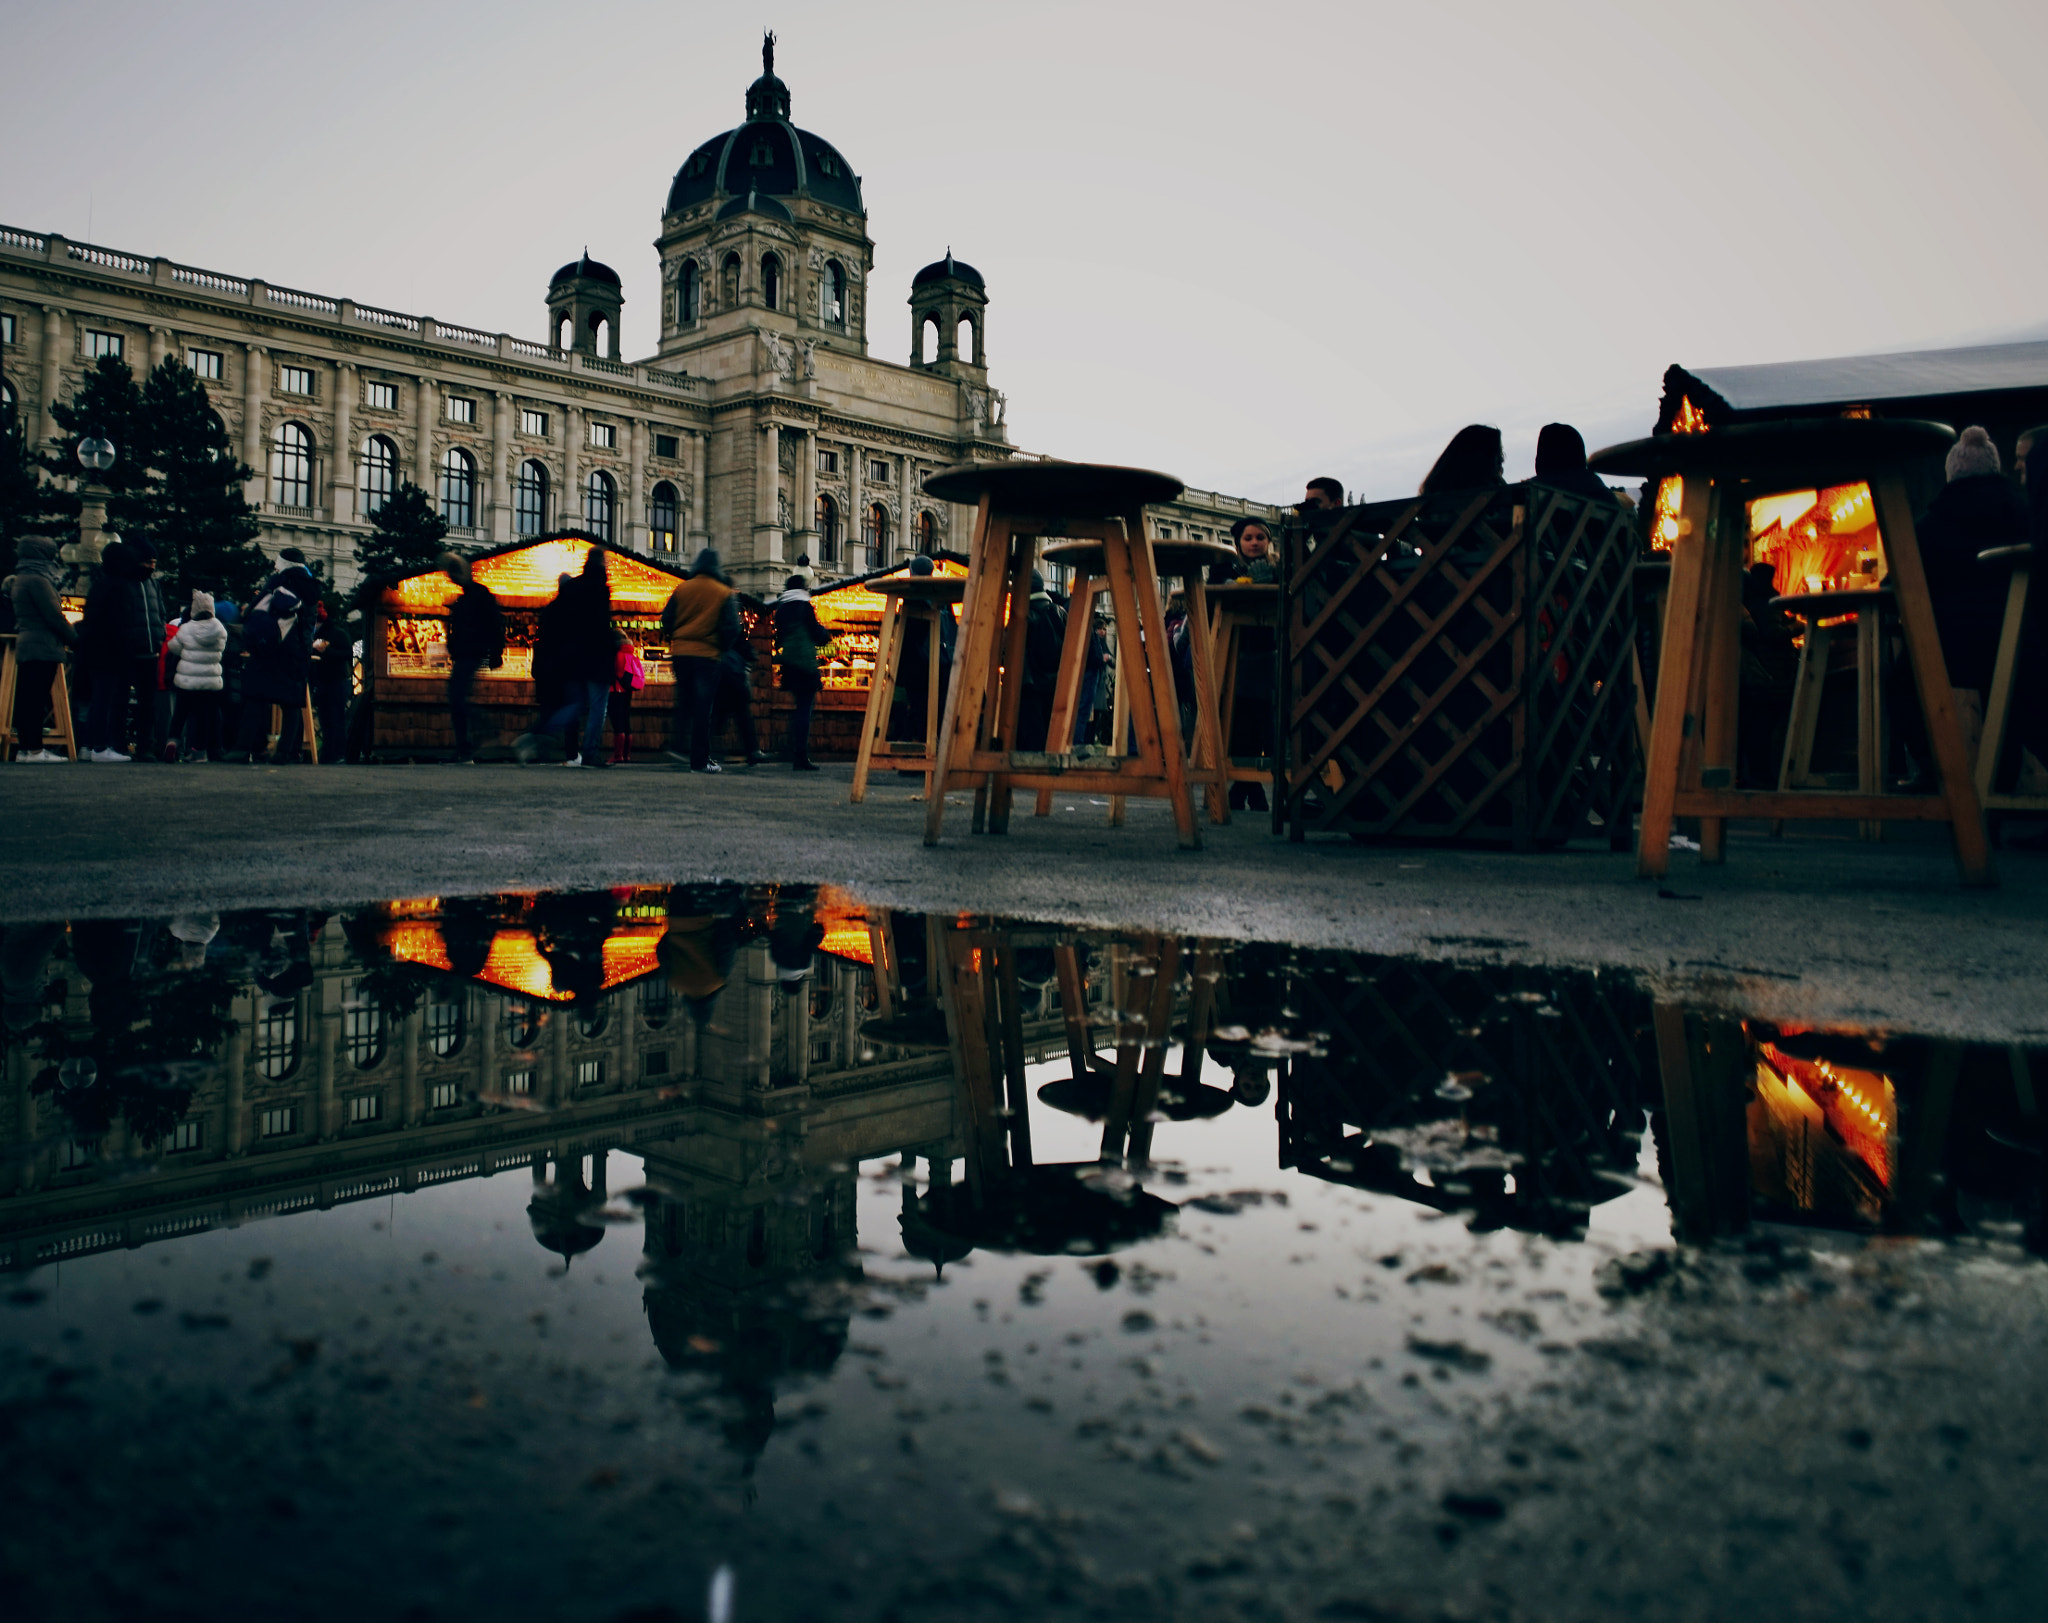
(405, 651)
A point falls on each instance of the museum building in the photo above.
(761, 425)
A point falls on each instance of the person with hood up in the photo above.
(42, 636)
(799, 639)
(476, 638)
(575, 634)
(118, 642)
(701, 620)
(279, 667)
(1561, 461)
(201, 647)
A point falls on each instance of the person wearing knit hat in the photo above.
(201, 646)
(42, 637)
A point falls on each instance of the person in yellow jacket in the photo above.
(700, 620)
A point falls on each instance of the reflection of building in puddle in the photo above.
(1820, 1134)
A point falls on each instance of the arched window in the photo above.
(663, 509)
(530, 499)
(600, 333)
(458, 488)
(362, 1026)
(771, 281)
(561, 338)
(686, 294)
(291, 466)
(927, 534)
(963, 340)
(729, 283)
(828, 530)
(521, 1024)
(929, 340)
(832, 295)
(445, 1023)
(592, 1021)
(277, 1040)
(380, 473)
(655, 1002)
(600, 501)
(874, 532)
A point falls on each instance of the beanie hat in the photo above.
(202, 605)
(226, 613)
(291, 555)
(142, 548)
(920, 565)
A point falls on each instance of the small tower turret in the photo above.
(583, 308)
(948, 307)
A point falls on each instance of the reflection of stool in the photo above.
(910, 597)
(1018, 503)
(277, 728)
(1998, 700)
(60, 705)
(1236, 607)
(1867, 608)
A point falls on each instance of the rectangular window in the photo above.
(205, 363)
(654, 1064)
(519, 1081)
(828, 462)
(103, 343)
(381, 396)
(279, 1123)
(534, 423)
(444, 1096)
(589, 1072)
(878, 473)
(187, 1135)
(78, 1152)
(294, 380)
(665, 445)
(366, 1107)
(605, 436)
(460, 410)
(6, 329)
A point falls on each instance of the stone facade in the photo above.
(761, 420)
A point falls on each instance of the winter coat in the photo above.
(476, 627)
(281, 672)
(38, 607)
(331, 665)
(629, 675)
(581, 630)
(1045, 632)
(798, 638)
(200, 645)
(1969, 515)
(234, 660)
(124, 612)
(698, 618)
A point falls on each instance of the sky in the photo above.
(1245, 244)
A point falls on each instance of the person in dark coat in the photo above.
(476, 638)
(798, 638)
(332, 679)
(575, 643)
(234, 660)
(43, 635)
(1561, 461)
(279, 673)
(1473, 460)
(119, 641)
(1045, 631)
(1251, 719)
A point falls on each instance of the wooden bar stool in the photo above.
(1867, 609)
(1998, 701)
(928, 598)
(1691, 767)
(312, 735)
(1234, 608)
(60, 729)
(1189, 561)
(1017, 504)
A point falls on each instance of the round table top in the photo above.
(2007, 557)
(1790, 452)
(1168, 557)
(1059, 489)
(1826, 605)
(922, 588)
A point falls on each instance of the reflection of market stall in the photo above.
(406, 643)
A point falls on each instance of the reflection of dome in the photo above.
(588, 269)
(766, 157)
(940, 270)
(555, 1212)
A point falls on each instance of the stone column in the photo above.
(767, 484)
(761, 989)
(500, 529)
(159, 346)
(906, 521)
(20, 1073)
(804, 520)
(796, 1029)
(423, 456)
(413, 1106)
(489, 1068)
(234, 1126)
(625, 1003)
(559, 1083)
(255, 389)
(700, 463)
(636, 492)
(50, 364)
(328, 1037)
(569, 511)
(341, 482)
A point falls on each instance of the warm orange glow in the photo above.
(1664, 526)
(515, 963)
(528, 577)
(1860, 1106)
(853, 614)
(1818, 540)
(846, 925)
(1689, 418)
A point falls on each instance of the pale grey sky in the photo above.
(1244, 243)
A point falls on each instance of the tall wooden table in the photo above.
(1017, 503)
(928, 598)
(1691, 771)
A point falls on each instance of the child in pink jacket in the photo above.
(629, 676)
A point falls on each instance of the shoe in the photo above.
(574, 760)
(40, 755)
(802, 766)
(758, 757)
(107, 757)
(526, 747)
(708, 766)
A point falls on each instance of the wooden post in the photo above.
(881, 690)
(1675, 715)
(971, 653)
(1998, 701)
(1212, 762)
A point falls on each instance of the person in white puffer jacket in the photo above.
(199, 644)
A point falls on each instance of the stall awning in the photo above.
(1854, 379)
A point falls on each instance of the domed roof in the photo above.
(767, 155)
(958, 270)
(587, 268)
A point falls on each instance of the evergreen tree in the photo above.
(25, 507)
(406, 536)
(193, 507)
(108, 404)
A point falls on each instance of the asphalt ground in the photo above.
(1816, 926)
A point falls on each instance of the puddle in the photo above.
(569, 1251)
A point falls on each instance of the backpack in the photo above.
(270, 621)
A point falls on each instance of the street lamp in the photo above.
(96, 455)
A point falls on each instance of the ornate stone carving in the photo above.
(777, 351)
(809, 349)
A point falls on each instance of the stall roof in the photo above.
(525, 575)
(1852, 379)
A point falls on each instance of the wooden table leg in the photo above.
(1010, 680)
(1930, 677)
(1668, 727)
(881, 689)
(1066, 962)
(1212, 764)
(1066, 693)
(1998, 702)
(1723, 696)
(1119, 729)
(1795, 765)
(962, 718)
(1870, 734)
(1158, 1027)
(1172, 752)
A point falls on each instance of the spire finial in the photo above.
(768, 52)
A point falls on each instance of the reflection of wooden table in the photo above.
(1237, 605)
(1691, 768)
(928, 598)
(1190, 562)
(1018, 503)
(1867, 608)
